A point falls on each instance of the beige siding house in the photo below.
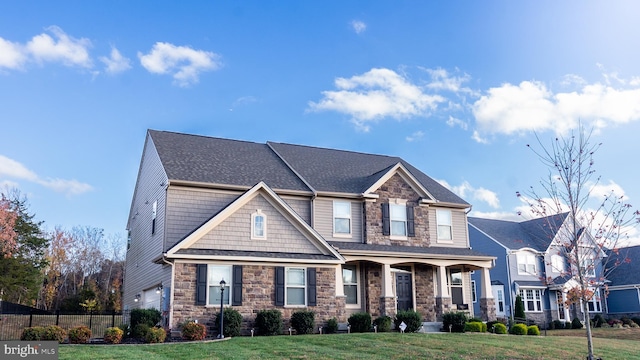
(292, 227)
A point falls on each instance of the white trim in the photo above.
(254, 216)
(357, 284)
(228, 285)
(334, 217)
(450, 225)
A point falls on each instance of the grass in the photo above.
(375, 346)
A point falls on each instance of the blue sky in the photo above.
(456, 88)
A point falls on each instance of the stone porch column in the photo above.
(443, 298)
(487, 303)
(388, 299)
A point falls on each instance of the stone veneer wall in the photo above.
(425, 296)
(373, 283)
(488, 309)
(258, 293)
(395, 188)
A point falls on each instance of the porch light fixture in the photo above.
(222, 284)
(137, 298)
(159, 289)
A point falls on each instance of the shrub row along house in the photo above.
(293, 227)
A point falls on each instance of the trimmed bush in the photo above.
(519, 308)
(518, 329)
(360, 322)
(113, 335)
(304, 321)
(491, 325)
(636, 320)
(140, 331)
(54, 333)
(383, 323)
(411, 318)
(79, 335)
(483, 326)
(576, 323)
(473, 327)
(533, 330)
(500, 328)
(598, 320)
(35, 333)
(149, 317)
(155, 335)
(232, 322)
(454, 321)
(332, 326)
(269, 322)
(126, 330)
(557, 324)
(193, 331)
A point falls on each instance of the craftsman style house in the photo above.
(532, 262)
(292, 227)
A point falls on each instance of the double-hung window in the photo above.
(216, 273)
(350, 283)
(532, 300)
(526, 264)
(398, 217)
(295, 286)
(342, 218)
(594, 303)
(443, 219)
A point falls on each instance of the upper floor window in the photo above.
(342, 217)
(295, 286)
(215, 274)
(532, 300)
(588, 266)
(557, 263)
(443, 219)
(258, 225)
(154, 212)
(526, 264)
(350, 283)
(398, 217)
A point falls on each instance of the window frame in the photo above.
(595, 303)
(356, 284)
(154, 215)
(527, 256)
(536, 299)
(336, 217)
(258, 214)
(441, 223)
(287, 286)
(228, 288)
(403, 219)
(558, 263)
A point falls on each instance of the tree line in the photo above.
(77, 269)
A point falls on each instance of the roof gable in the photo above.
(401, 170)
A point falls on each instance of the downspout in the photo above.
(172, 290)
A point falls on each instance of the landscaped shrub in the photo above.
(79, 335)
(140, 331)
(126, 330)
(626, 321)
(113, 335)
(269, 322)
(500, 328)
(454, 321)
(383, 323)
(615, 323)
(519, 308)
(332, 326)
(483, 326)
(636, 320)
(576, 323)
(360, 322)
(155, 335)
(557, 324)
(473, 327)
(34, 333)
(303, 321)
(491, 325)
(54, 333)
(232, 322)
(149, 317)
(411, 318)
(193, 331)
(518, 329)
(533, 330)
(598, 320)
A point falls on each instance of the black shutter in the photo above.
(311, 287)
(411, 228)
(237, 285)
(201, 284)
(279, 286)
(386, 222)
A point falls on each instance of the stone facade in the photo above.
(373, 289)
(425, 297)
(443, 305)
(488, 309)
(258, 293)
(395, 188)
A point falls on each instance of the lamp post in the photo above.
(222, 284)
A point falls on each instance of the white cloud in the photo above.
(480, 194)
(456, 122)
(415, 136)
(183, 62)
(116, 63)
(600, 191)
(358, 26)
(12, 55)
(531, 106)
(64, 49)
(442, 80)
(13, 169)
(374, 95)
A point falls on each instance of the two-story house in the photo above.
(294, 227)
(532, 261)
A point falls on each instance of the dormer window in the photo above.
(258, 225)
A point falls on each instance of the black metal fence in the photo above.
(12, 324)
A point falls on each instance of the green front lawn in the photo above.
(366, 346)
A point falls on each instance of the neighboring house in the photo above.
(623, 288)
(292, 227)
(531, 262)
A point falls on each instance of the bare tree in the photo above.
(591, 228)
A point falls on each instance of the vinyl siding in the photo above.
(302, 206)
(623, 301)
(323, 220)
(459, 234)
(140, 272)
(234, 233)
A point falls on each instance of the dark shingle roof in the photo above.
(536, 234)
(341, 245)
(281, 166)
(625, 266)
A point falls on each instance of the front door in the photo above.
(404, 293)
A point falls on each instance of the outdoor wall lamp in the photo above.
(159, 289)
(222, 284)
(137, 298)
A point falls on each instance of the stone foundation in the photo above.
(443, 305)
(387, 307)
(488, 309)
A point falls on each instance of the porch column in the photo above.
(388, 299)
(487, 302)
(339, 283)
(443, 299)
